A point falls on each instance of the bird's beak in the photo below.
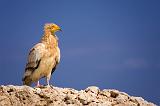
(60, 29)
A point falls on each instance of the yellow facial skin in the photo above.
(52, 28)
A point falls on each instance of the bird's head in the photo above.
(51, 27)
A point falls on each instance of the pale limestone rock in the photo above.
(54, 96)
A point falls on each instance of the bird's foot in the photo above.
(48, 86)
(39, 85)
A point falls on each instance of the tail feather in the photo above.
(27, 79)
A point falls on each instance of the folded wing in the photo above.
(34, 59)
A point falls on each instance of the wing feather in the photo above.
(56, 61)
(34, 59)
(35, 55)
(41, 53)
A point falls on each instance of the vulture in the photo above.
(44, 57)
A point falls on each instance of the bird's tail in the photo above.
(26, 78)
(27, 81)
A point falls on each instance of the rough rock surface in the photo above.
(54, 96)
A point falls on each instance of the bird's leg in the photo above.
(38, 85)
(48, 78)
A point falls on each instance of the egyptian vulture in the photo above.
(44, 57)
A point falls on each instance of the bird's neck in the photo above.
(50, 39)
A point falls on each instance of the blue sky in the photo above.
(110, 44)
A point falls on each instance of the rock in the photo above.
(92, 89)
(55, 96)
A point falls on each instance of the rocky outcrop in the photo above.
(54, 96)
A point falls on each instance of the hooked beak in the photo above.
(60, 29)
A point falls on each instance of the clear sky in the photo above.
(112, 44)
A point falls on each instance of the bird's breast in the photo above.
(58, 54)
(47, 64)
(44, 68)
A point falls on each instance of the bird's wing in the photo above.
(34, 57)
(56, 59)
(55, 66)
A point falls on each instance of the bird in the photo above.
(43, 58)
